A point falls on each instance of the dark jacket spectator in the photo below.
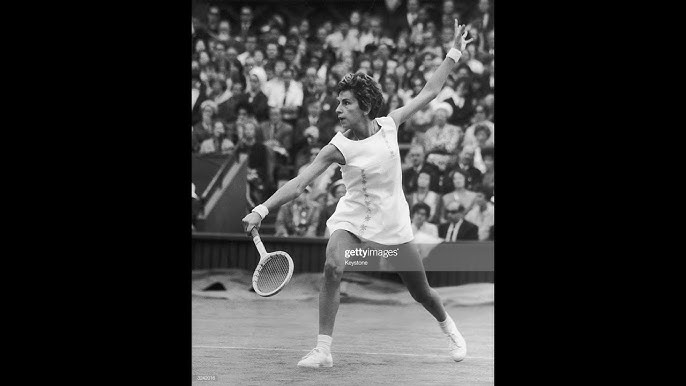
(466, 231)
(314, 118)
(457, 228)
(299, 217)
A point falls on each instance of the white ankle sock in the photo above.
(448, 325)
(324, 341)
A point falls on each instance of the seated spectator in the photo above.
(293, 60)
(422, 120)
(314, 118)
(372, 36)
(445, 173)
(389, 88)
(299, 217)
(482, 215)
(378, 69)
(336, 190)
(257, 162)
(393, 103)
(220, 92)
(250, 47)
(488, 178)
(466, 165)
(474, 64)
(481, 133)
(461, 102)
(309, 85)
(198, 96)
(416, 164)
(320, 184)
(275, 132)
(406, 74)
(219, 143)
(228, 110)
(456, 227)
(489, 102)
(203, 129)
(420, 213)
(243, 116)
(303, 149)
(427, 67)
(344, 39)
(364, 65)
(327, 100)
(481, 114)
(391, 65)
(432, 45)
(426, 196)
(232, 67)
(283, 91)
(459, 194)
(257, 100)
(442, 137)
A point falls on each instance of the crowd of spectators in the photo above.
(268, 91)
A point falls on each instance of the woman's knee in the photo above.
(335, 255)
(422, 295)
(333, 271)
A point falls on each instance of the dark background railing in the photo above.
(214, 250)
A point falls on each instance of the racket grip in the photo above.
(258, 242)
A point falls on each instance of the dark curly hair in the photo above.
(366, 91)
(420, 205)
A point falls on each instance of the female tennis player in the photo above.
(374, 208)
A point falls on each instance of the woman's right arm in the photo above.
(296, 186)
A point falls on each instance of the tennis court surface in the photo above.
(252, 340)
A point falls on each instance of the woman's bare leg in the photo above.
(330, 294)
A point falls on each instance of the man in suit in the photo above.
(400, 17)
(246, 26)
(418, 165)
(457, 228)
(466, 165)
(483, 16)
(276, 131)
(314, 118)
(286, 93)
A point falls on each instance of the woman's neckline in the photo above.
(364, 139)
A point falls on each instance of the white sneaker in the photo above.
(457, 345)
(316, 358)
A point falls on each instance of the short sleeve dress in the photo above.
(374, 207)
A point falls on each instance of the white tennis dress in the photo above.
(374, 206)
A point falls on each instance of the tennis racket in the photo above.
(274, 270)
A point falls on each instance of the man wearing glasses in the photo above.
(457, 228)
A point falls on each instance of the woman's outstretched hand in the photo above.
(460, 35)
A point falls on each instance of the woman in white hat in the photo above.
(442, 136)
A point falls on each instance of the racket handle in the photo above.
(258, 242)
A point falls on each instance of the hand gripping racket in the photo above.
(273, 271)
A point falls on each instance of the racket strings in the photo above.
(273, 274)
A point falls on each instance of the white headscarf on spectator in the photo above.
(261, 76)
